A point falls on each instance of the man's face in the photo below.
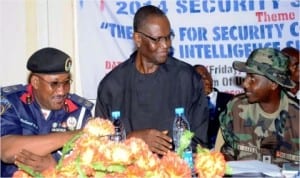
(154, 40)
(257, 88)
(294, 68)
(50, 91)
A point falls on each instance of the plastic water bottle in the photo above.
(188, 157)
(181, 124)
(120, 133)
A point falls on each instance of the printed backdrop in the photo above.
(209, 32)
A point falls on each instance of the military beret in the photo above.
(48, 61)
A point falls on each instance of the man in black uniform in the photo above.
(148, 87)
(217, 101)
(38, 118)
(294, 58)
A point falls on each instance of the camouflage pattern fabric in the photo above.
(250, 133)
(268, 62)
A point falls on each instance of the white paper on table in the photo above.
(254, 166)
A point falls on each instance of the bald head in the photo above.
(293, 58)
(206, 77)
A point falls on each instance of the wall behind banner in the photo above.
(28, 25)
(212, 33)
(98, 34)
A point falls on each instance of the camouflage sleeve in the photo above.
(226, 126)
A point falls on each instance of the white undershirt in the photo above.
(46, 113)
(213, 97)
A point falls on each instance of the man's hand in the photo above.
(158, 142)
(36, 162)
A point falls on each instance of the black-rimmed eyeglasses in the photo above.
(160, 38)
(56, 84)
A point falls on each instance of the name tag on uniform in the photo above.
(68, 125)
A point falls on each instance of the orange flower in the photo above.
(20, 173)
(209, 164)
(174, 166)
(93, 154)
(116, 153)
(99, 127)
(134, 171)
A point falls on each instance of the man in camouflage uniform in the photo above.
(262, 123)
(38, 118)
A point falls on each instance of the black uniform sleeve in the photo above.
(101, 109)
(199, 113)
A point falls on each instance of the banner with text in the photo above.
(213, 33)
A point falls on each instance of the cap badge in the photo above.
(68, 65)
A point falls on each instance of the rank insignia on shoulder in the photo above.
(12, 89)
(81, 101)
(4, 105)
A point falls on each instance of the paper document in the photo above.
(291, 170)
(254, 166)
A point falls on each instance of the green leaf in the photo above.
(67, 148)
(70, 144)
(98, 166)
(110, 168)
(184, 142)
(200, 149)
(116, 168)
(30, 171)
(78, 168)
(228, 170)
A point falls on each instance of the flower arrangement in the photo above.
(92, 154)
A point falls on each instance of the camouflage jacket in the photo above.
(251, 133)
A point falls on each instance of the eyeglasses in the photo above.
(55, 84)
(160, 38)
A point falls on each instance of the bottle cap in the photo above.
(116, 114)
(179, 110)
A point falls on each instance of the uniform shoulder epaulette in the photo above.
(12, 89)
(81, 101)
